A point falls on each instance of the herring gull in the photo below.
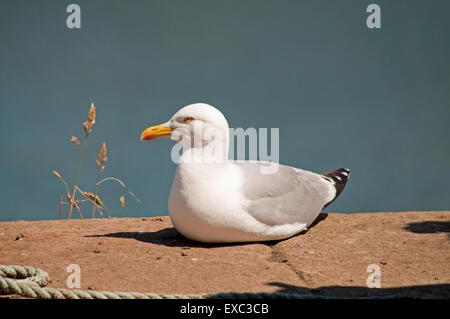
(217, 200)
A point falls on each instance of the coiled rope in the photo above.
(30, 282)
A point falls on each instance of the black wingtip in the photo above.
(339, 178)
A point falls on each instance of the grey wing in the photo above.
(287, 196)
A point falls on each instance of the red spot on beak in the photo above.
(147, 137)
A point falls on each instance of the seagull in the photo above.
(217, 200)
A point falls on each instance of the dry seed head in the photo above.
(122, 202)
(104, 159)
(75, 141)
(102, 169)
(91, 114)
(94, 198)
(57, 174)
(102, 152)
(87, 126)
(97, 162)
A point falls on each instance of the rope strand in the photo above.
(31, 283)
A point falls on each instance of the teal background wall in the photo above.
(375, 101)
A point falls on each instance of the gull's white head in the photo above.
(195, 126)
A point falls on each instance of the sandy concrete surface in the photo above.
(412, 250)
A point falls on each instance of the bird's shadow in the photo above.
(167, 237)
(429, 227)
(172, 238)
(419, 291)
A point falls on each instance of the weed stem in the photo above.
(83, 149)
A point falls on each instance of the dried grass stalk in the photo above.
(100, 208)
(61, 179)
(102, 159)
(60, 206)
(121, 183)
(94, 197)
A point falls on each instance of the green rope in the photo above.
(31, 282)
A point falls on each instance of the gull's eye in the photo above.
(188, 120)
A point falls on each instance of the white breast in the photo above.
(205, 202)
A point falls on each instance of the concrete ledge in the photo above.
(412, 250)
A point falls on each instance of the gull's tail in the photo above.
(338, 178)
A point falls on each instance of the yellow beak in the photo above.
(155, 131)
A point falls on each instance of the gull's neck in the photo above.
(215, 152)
